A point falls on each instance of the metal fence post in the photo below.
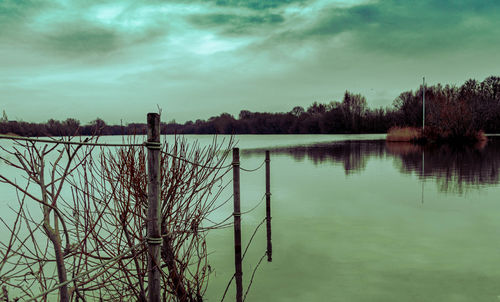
(154, 239)
(237, 225)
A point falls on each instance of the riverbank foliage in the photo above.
(451, 111)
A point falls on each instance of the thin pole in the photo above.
(423, 175)
(268, 208)
(423, 104)
(154, 239)
(237, 225)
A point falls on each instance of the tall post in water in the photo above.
(237, 225)
(423, 104)
(268, 208)
(154, 239)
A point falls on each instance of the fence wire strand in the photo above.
(63, 142)
(227, 288)
(196, 164)
(255, 207)
(86, 143)
(251, 238)
(253, 275)
(253, 170)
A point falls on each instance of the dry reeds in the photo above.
(403, 134)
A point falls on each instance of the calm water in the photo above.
(357, 219)
(370, 221)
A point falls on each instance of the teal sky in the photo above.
(195, 59)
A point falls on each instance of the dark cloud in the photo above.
(255, 4)
(15, 13)
(71, 31)
(392, 27)
(236, 24)
(408, 27)
(87, 39)
(18, 10)
(78, 40)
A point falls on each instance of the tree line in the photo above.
(456, 109)
(451, 111)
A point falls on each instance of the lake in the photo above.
(358, 219)
(363, 220)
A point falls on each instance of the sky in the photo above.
(118, 60)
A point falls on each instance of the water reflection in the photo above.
(353, 155)
(455, 169)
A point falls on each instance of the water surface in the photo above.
(357, 219)
(363, 220)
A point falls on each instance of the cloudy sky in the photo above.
(195, 59)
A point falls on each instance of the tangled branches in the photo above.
(98, 220)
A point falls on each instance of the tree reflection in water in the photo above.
(455, 169)
(353, 155)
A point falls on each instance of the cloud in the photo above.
(409, 27)
(69, 29)
(15, 14)
(199, 58)
(256, 4)
(234, 24)
(80, 39)
(12, 10)
(389, 26)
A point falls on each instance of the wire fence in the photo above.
(85, 142)
(96, 144)
(214, 225)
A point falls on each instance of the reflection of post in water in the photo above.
(423, 177)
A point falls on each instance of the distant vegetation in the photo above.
(403, 134)
(451, 111)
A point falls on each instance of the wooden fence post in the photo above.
(154, 239)
(237, 225)
(268, 208)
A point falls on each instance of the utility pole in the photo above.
(423, 105)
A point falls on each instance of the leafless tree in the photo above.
(97, 224)
(46, 167)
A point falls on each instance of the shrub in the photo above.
(403, 134)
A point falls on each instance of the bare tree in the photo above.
(191, 184)
(97, 223)
(47, 168)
